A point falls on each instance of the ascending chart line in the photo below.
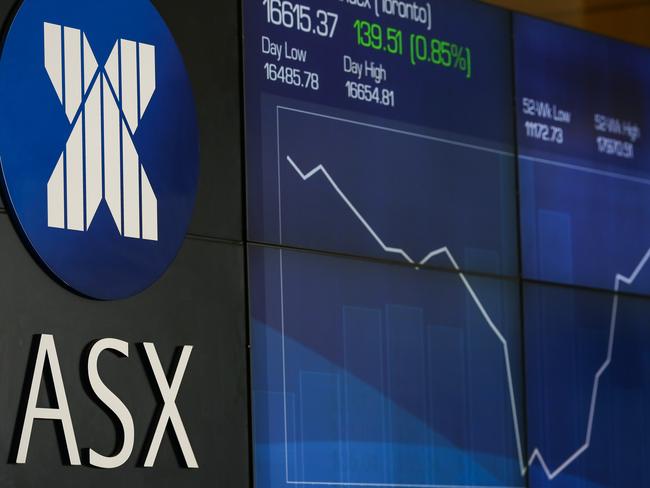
(444, 251)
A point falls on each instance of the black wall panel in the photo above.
(199, 302)
(207, 33)
(7, 8)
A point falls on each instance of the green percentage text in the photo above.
(421, 49)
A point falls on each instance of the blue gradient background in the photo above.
(393, 377)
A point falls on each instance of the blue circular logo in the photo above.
(98, 141)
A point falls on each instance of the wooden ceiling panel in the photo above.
(628, 20)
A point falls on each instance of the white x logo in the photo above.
(104, 107)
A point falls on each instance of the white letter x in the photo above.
(170, 410)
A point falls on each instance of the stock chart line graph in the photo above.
(620, 279)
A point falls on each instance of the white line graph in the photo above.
(397, 251)
(536, 453)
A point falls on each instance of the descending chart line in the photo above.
(620, 279)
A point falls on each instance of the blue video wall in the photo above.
(583, 106)
(447, 248)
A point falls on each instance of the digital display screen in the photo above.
(587, 387)
(375, 374)
(583, 109)
(361, 147)
(447, 250)
(376, 133)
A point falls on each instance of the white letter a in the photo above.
(47, 351)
